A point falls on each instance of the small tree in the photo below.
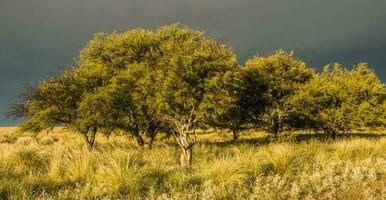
(238, 99)
(340, 100)
(284, 74)
(125, 104)
(55, 103)
(190, 62)
(122, 54)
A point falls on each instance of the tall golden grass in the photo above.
(58, 166)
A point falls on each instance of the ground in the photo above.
(57, 165)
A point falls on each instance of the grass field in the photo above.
(58, 166)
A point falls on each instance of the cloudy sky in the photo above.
(41, 37)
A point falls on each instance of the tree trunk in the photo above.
(276, 123)
(186, 142)
(89, 145)
(235, 134)
(90, 138)
(331, 132)
(333, 135)
(186, 157)
(139, 140)
(275, 132)
(148, 140)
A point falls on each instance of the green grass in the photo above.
(58, 166)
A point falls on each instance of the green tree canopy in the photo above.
(339, 99)
(55, 103)
(190, 63)
(84, 91)
(283, 74)
(125, 104)
(239, 97)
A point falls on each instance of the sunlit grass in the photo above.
(58, 166)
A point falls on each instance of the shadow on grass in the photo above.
(241, 141)
(304, 137)
(342, 136)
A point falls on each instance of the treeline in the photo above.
(176, 80)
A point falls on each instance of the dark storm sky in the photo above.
(40, 37)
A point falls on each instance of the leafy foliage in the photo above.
(190, 63)
(284, 74)
(339, 99)
(238, 100)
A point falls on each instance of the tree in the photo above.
(238, 98)
(189, 63)
(100, 62)
(55, 103)
(125, 104)
(116, 54)
(284, 74)
(340, 100)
